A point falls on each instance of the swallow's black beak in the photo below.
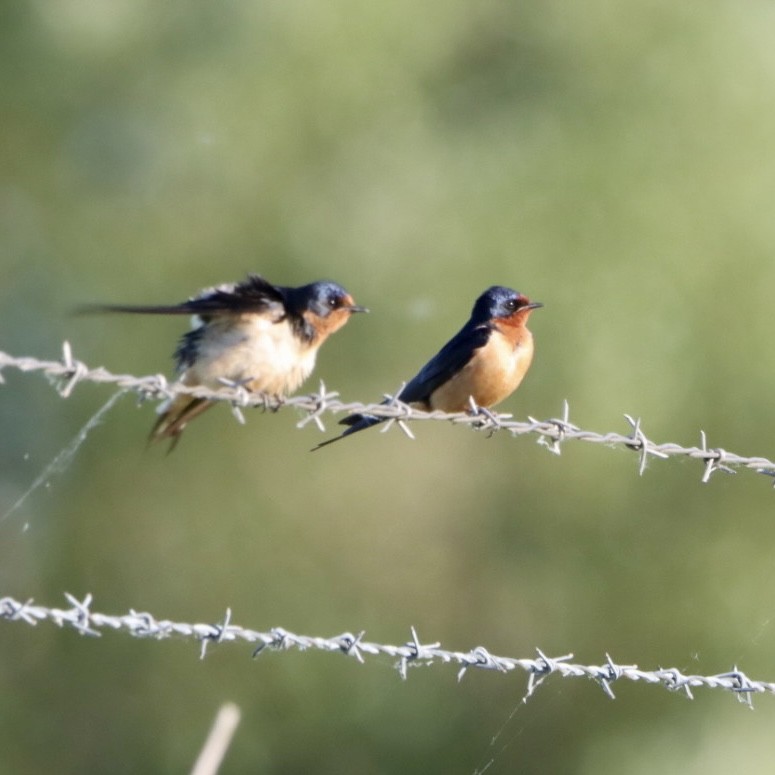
(533, 305)
(356, 308)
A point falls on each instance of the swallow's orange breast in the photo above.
(492, 375)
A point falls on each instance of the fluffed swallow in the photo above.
(485, 361)
(262, 336)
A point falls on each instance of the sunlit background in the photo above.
(615, 160)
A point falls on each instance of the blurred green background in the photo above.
(613, 160)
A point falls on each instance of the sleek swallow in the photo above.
(485, 361)
(262, 336)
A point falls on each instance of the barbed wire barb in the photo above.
(562, 426)
(69, 372)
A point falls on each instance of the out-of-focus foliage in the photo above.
(614, 160)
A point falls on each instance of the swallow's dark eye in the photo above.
(334, 302)
(512, 304)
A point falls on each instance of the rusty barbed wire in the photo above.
(68, 372)
(80, 617)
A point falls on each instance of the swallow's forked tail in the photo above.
(357, 422)
(174, 418)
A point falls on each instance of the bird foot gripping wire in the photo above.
(484, 418)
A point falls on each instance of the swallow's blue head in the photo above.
(319, 309)
(322, 298)
(500, 302)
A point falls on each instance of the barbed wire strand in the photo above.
(68, 372)
(80, 617)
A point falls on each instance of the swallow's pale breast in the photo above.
(260, 352)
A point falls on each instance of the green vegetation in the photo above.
(613, 160)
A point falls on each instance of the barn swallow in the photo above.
(262, 336)
(485, 361)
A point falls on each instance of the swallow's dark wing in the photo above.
(252, 295)
(455, 354)
(187, 351)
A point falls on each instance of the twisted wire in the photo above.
(69, 372)
(80, 617)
